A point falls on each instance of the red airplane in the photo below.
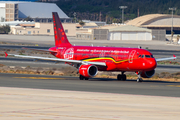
(89, 59)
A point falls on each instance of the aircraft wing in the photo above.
(163, 59)
(57, 59)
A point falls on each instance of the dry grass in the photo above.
(168, 63)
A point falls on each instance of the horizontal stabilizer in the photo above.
(43, 50)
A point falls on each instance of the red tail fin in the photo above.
(59, 34)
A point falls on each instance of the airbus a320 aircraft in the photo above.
(90, 59)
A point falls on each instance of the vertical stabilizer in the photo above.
(59, 34)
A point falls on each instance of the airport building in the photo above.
(158, 21)
(121, 32)
(41, 29)
(147, 27)
(13, 13)
(38, 11)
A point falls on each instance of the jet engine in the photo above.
(88, 70)
(148, 74)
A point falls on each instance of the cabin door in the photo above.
(131, 56)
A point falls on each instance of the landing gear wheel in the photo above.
(123, 77)
(119, 77)
(86, 78)
(139, 80)
(81, 77)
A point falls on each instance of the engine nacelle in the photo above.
(88, 70)
(148, 74)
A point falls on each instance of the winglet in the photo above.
(174, 56)
(6, 54)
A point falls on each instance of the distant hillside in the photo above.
(21, 0)
(110, 11)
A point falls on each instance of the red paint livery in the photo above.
(115, 59)
(89, 60)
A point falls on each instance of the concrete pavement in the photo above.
(36, 104)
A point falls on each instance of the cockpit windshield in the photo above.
(145, 56)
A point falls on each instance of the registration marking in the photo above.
(36, 78)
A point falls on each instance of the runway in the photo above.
(152, 88)
(41, 97)
(45, 104)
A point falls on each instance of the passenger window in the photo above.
(139, 56)
(142, 56)
(152, 56)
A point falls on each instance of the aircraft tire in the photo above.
(124, 77)
(81, 77)
(86, 78)
(139, 80)
(119, 77)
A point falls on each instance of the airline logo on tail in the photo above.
(59, 34)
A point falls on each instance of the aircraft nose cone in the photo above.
(153, 64)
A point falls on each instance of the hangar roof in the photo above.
(107, 26)
(144, 20)
(37, 9)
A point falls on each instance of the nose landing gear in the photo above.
(139, 79)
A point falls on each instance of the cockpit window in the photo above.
(147, 56)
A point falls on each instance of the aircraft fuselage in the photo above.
(116, 59)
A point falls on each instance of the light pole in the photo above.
(172, 9)
(123, 7)
(74, 16)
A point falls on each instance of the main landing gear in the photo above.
(121, 77)
(83, 78)
(139, 79)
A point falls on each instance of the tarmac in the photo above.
(39, 104)
(43, 104)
